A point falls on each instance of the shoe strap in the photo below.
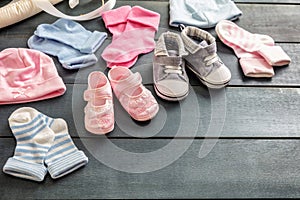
(134, 80)
(99, 110)
(96, 93)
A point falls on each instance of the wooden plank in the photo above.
(278, 21)
(266, 110)
(237, 112)
(233, 169)
(246, 112)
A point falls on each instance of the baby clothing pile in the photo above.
(44, 144)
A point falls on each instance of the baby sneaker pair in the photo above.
(194, 48)
(129, 90)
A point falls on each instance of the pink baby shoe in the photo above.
(133, 96)
(99, 113)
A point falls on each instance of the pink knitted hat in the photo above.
(28, 75)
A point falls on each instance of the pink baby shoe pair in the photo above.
(133, 30)
(257, 53)
(129, 90)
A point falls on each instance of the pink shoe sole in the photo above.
(98, 131)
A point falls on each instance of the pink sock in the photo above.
(116, 20)
(137, 38)
(252, 64)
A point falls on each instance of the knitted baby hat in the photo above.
(28, 75)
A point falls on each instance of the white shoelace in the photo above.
(173, 69)
(211, 59)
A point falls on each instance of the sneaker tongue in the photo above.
(203, 43)
(173, 76)
(172, 53)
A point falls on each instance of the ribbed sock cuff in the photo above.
(256, 67)
(274, 55)
(85, 60)
(21, 169)
(140, 17)
(67, 164)
(93, 42)
(116, 16)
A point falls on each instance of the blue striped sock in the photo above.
(63, 156)
(34, 139)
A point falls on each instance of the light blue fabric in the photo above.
(67, 164)
(69, 57)
(63, 156)
(32, 171)
(30, 151)
(202, 14)
(72, 34)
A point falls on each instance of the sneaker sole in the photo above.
(208, 84)
(168, 98)
(148, 117)
(98, 132)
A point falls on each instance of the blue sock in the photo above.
(73, 34)
(34, 139)
(69, 57)
(63, 156)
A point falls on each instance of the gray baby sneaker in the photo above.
(170, 79)
(203, 59)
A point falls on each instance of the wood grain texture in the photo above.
(238, 112)
(234, 168)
